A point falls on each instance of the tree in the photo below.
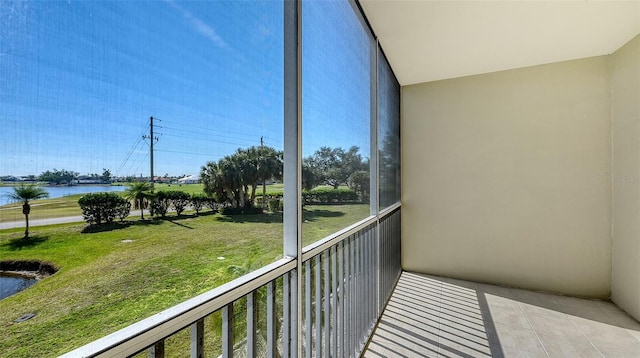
(269, 165)
(210, 175)
(333, 166)
(359, 182)
(310, 179)
(25, 193)
(139, 192)
(106, 176)
(230, 178)
(58, 176)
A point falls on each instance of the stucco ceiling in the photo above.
(433, 40)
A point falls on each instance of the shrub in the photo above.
(160, 203)
(122, 211)
(246, 210)
(329, 196)
(275, 204)
(180, 200)
(198, 201)
(98, 208)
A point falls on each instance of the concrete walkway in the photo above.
(52, 221)
(41, 222)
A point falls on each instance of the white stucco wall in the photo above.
(625, 91)
(505, 178)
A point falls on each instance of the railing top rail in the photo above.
(143, 334)
(389, 210)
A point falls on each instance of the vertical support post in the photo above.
(197, 339)
(373, 124)
(293, 162)
(227, 331)
(252, 324)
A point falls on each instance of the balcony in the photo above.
(525, 177)
(325, 303)
(352, 298)
(430, 316)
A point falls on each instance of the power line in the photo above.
(128, 155)
(200, 129)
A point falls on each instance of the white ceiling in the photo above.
(433, 40)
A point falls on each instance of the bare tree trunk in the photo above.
(264, 194)
(26, 230)
(26, 209)
(141, 205)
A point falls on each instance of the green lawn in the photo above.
(105, 284)
(42, 209)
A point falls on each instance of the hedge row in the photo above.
(329, 196)
(162, 201)
(320, 196)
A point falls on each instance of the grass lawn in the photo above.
(105, 284)
(42, 209)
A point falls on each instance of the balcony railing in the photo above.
(345, 282)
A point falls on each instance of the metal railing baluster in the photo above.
(308, 334)
(157, 350)
(252, 324)
(271, 320)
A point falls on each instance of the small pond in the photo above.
(16, 276)
(11, 284)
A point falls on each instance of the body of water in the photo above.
(60, 191)
(10, 285)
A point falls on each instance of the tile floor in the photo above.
(431, 316)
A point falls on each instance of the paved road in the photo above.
(41, 222)
(51, 221)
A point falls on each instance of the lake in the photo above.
(60, 191)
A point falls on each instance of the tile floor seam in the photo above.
(587, 338)
(534, 331)
(596, 347)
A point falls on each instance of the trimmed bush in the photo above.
(247, 210)
(180, 200)
(275, 205)
(160, 203)
(99, 208)
(329, 196)
(198, 201)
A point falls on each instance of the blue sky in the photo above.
(79, 81)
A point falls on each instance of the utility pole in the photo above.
(152, 139)
(262, 141)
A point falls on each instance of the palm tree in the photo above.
(24, 193)
(268, 162)
(139, 192)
